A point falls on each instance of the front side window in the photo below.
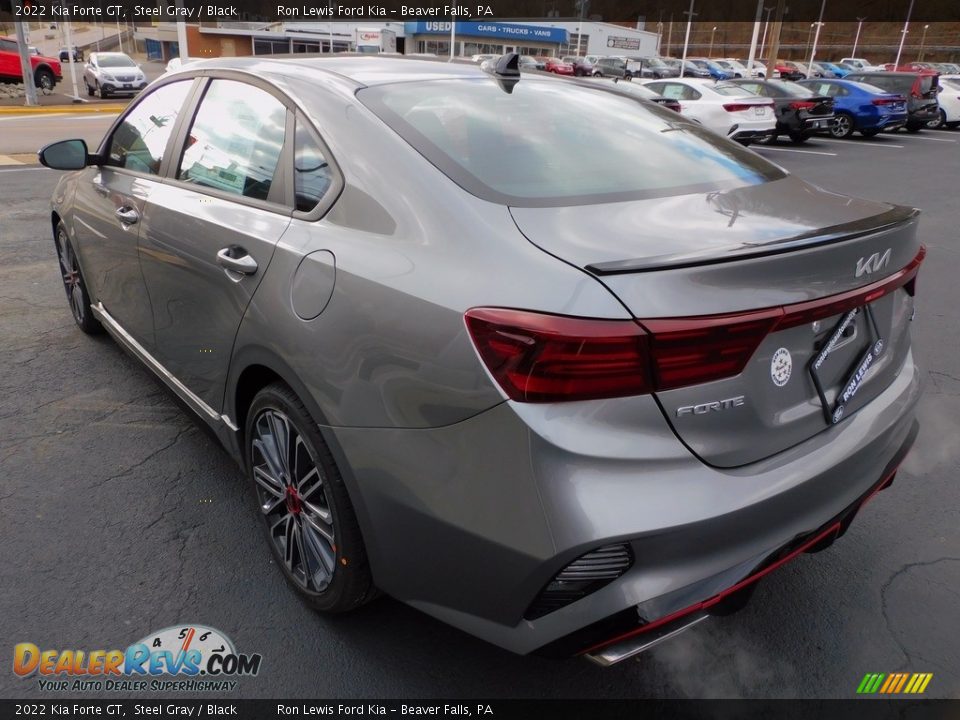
(235, 141)
(312, 172)
(139, 141)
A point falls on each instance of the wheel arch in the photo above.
(254, 368)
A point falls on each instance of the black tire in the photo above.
(45, 80)
(101, 92)
(89, 89)
(914, 128)
(843, 125)
(73, 283)
(873, 132)
(770, 139)
(799, 137)
(940, 122)
(336, 576)
(597, 73)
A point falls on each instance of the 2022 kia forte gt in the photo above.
(550, 363)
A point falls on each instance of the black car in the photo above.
(800, 112)
(65, 55)
(920, 89)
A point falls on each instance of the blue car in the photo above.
(840, 71)
(716, 72)
(859, 107)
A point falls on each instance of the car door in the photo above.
(109, 202)
(209, 233)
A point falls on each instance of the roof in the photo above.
(360, 70)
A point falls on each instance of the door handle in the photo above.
(127, 215)
(237, 259)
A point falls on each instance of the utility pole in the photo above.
(856, 39)
(903, 34)
(923, 41)
(712, 32)
(816, 37)
(29, 86)
(70, 55)
(453, 35)
(775, 37)
(583, 5)
(753, 40)
(182, 34)
(686, 41)
(766, 26)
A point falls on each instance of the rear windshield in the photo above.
(554, 143)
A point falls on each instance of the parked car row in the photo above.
(762, 110)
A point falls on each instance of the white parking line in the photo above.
(861, 143)
(929, 139)
(805, 152)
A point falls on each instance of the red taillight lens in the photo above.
(737, 107)
(549, 358)
(537, 357)
(689, 351)
(802, 105)
(886, 101)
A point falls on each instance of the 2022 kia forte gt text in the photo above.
(567, 385)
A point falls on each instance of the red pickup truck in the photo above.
(46, 70)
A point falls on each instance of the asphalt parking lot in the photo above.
(121, 516)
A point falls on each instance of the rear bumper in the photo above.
(471, 521)
(637, 633)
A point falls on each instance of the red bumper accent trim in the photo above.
(833, 529)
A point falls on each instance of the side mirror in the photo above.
(65, 155)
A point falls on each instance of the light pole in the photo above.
(816, 38)
(903, 35)
(809, 37)
(686, 40)
(766, 26)
(923, 41)
(856, 39)
(712, 32)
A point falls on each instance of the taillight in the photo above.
(802, 105)
(690, 351)
(737, 107)
(547, 358)
(536, 357)
(886, 101)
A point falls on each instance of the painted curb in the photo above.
(61, 109)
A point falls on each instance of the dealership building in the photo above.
(542, 37)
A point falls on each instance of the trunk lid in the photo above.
(783, 245)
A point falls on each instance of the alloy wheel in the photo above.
(292, 495)
(70, 272)
(842, 126)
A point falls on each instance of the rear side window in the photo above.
(313, 175)
(235, 141)
(521, 148)
(139, 141)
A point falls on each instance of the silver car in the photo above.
(112, 73)
(568, 386)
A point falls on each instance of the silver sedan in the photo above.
(544, 360)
